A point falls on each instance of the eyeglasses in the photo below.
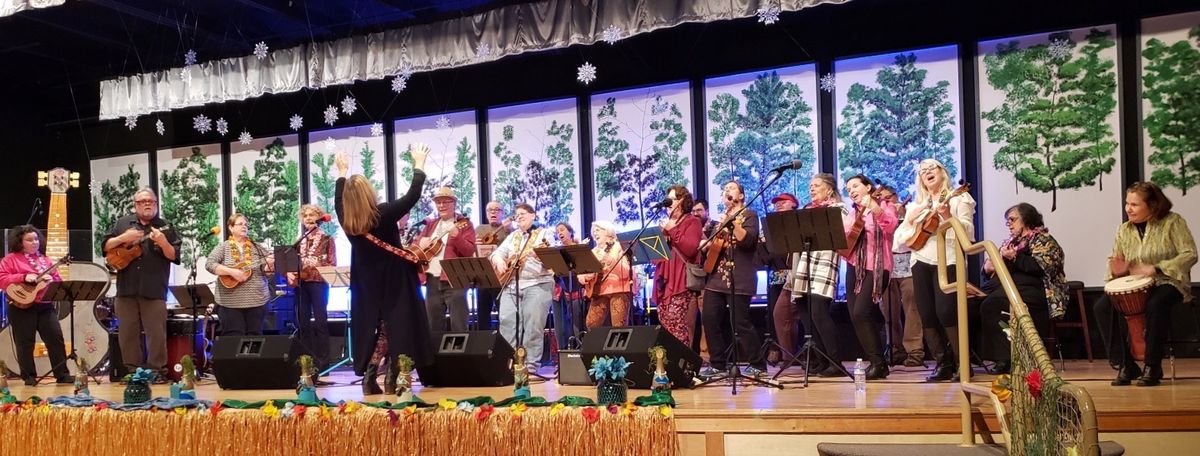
(145, 201)
(1011, 220)
(926, 169)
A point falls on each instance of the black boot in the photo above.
(389, 379)
(1127, 372)
(942, 372)
(1152, 377)
(370, 385)
(877, 371)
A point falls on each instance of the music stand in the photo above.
(473, 273)
(807, 230)
(195, 297)
(648, 245)
(287, 258)
(569, 261)
(71, 291)
(338, 276)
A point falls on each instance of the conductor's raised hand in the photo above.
(342, 163)
(418, 152)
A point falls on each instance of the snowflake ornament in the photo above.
(443, 122)
(245, 138)
(1059, 49)
(612, 33)
(377, 129)
(222, 126)
(483, 51)
(331, 115)
(131, 122)
(159, 127)
(202, 123)
(330, 144)
(295, 122)
(406, 71)
(185, 74)
(399, 83)
(587, 73)
(769, 14)
(828, 83)
(190, 57)
(260, 50)
(349, 104)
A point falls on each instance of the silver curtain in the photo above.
(11, 7)
(504, 31)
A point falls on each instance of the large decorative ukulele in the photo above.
(58, 242)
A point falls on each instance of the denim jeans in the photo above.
(535, 307)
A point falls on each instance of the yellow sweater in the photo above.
(1168, 245)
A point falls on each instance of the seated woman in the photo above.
(1154, 243)
(1035, 261)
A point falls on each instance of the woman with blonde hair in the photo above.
(611, 296)
(383, 281)
(316, 249)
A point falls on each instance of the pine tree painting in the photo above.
(888, 127)
(113, 202)
(268, 193)
(325, 183)
(452, 160)
(772, 128)
(536, 165)
(1052, 127)
(191, 200)
(1171, 83)
(639, 153)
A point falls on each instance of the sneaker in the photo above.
(753, 372)
(707, 372)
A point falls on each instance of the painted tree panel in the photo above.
(533, 157)
(453, 140)
(366, 156)
(190, 199)
(114, 181)
(266, 181)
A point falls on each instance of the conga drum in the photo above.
(1128, 295)
(182, 339)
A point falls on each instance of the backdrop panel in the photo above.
(190, 198)
(114, 181)
(533, 158)
(453, 140)
(266, 187)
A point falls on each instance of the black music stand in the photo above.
(71, 291)
(568, 262)
(644, 246)
(472, 273)
(194, 297)
(807, 230)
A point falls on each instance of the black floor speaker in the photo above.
(469, 358)
(256, 362)
(634, 343)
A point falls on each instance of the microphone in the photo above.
(666, 202)
(214, 231)
(794, 164)
(323, 219)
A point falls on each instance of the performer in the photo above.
(700, 210)
(536, 283)
(383, 280)
(457, 238)
(707, 226)
(568, 306)
(490, 235)
(25, 263)
(141, 303)
(312, 292)
(939, 311)
(675, 302)
(611, 297)
(1035, 261)
(779, 269)
(241, 308)
(810, 304)
(736, 271)
(901, 316)
(870, 262)
(1155, 242)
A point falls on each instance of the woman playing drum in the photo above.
(1155, 243)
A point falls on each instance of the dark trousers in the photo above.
(817, 318)
(994, 344)
(1113, 330)
(42, 318)
(312, 302)
(137, 315)
(938, 310)
(865, 314)
(716, 317)
(439, 298)
(485, 304)
(241, 322)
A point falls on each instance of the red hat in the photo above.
(785, 197)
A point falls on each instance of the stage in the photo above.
(763, 421)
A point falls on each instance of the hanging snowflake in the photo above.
(159, 127)
(330, 144)
(483, 51)
(245, 138)
(377, 129)
(442, 122)
(769, 14)
(1059, 49)
(349, 104)
(587, 73)
(406, 71)
(399, 83)
(185, 74)
(828, 83)
(190, 57)
(222, 126)
(611, 34)
(296, 122)
(331, 115)
(131, 122)
(202, 123)
(260, 50)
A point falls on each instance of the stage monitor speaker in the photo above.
(634, 343)
(572, 370)
(469, 358)
(256, 362)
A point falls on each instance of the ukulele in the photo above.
(493, 237)
(514, 266)
(927, 222)
(427, 254)
(22, 294)
(232, 282)
(121, 256)
(718, 244)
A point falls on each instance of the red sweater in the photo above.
(461, 246)
(670, 278)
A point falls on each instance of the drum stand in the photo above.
(71, 291)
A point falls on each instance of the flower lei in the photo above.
(36, 261)
(243, 253)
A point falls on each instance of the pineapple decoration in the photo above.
(185, 388)
(520, 374)
(306, 391)
(81, 379)
(404, 383)
(661, 383)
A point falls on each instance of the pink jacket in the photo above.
(617, 268)
(15, 265)
(887, 222)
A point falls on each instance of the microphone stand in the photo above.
(37, 208)
(195, 297)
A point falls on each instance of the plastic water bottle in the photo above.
(860, 377)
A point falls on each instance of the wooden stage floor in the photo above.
(901, 404)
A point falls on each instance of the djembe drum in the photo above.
(1128, 295)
